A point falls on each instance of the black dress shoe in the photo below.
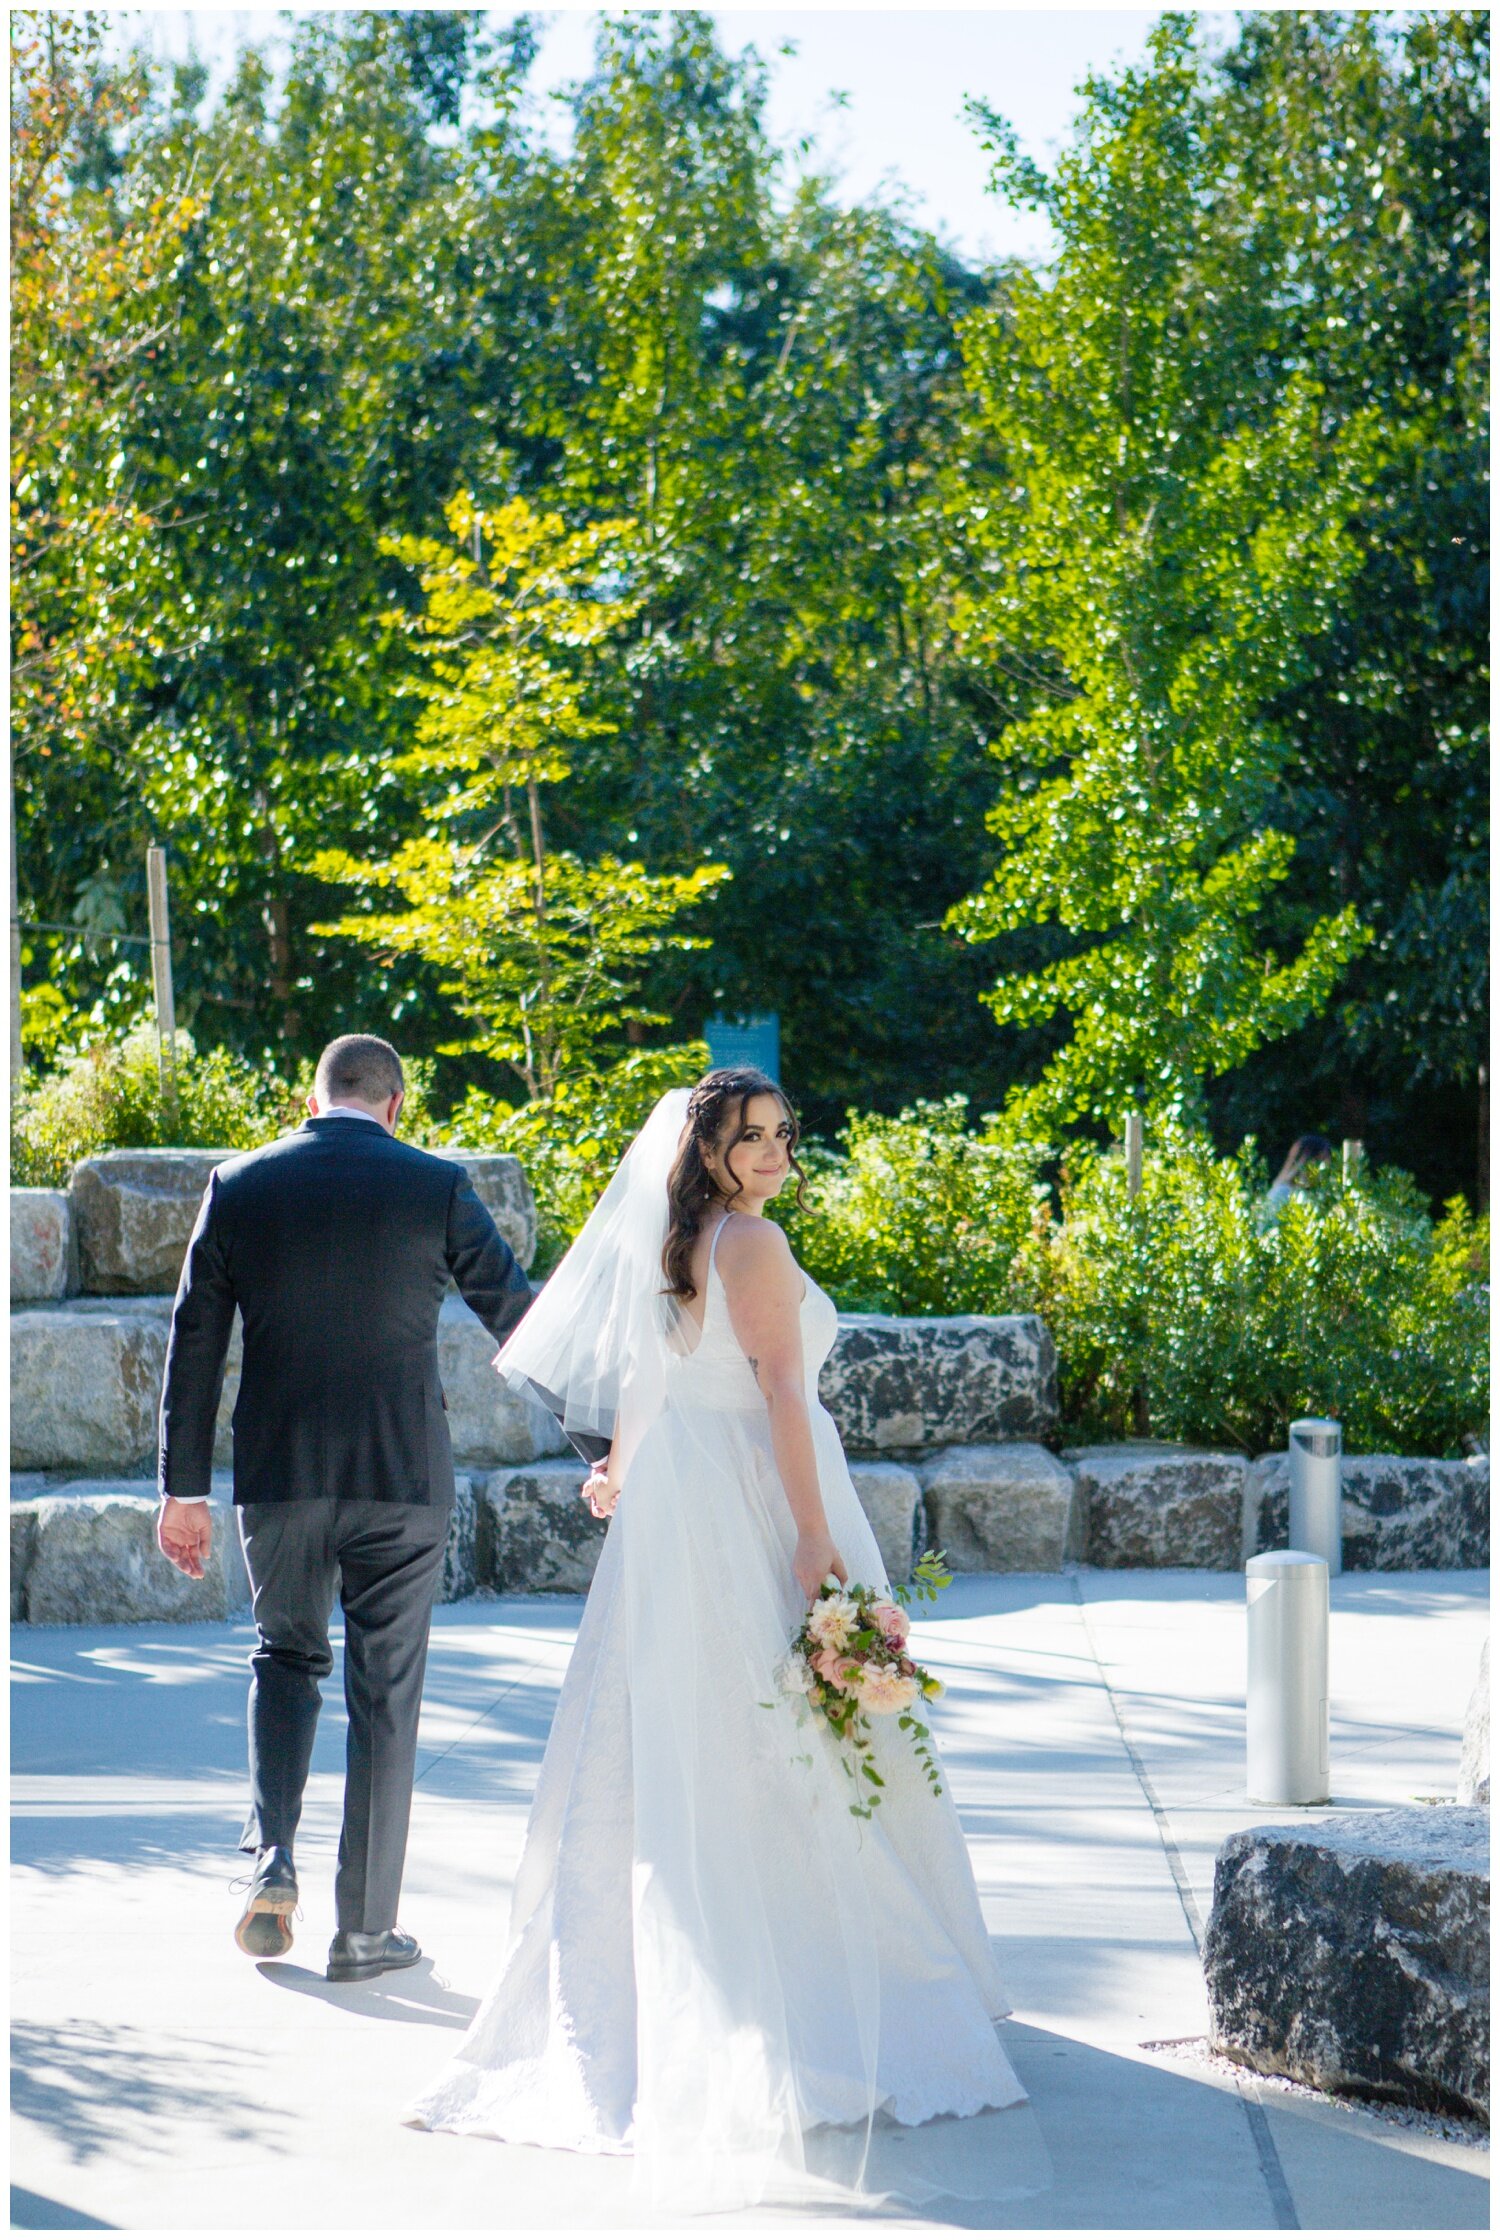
(355, 1954)
(264, 1929)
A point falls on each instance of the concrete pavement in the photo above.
(1093, 1732)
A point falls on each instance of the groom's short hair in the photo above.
(359, 1065)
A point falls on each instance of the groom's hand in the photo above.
(185, 1534)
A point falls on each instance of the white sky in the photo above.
(905, 72)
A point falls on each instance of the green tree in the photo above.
(1358, 155)
(391, 285)
(769, 384)
(317, 395)
(1170, 537)
(94, 255)
(542, 952)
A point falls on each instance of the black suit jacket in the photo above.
(336, 1245)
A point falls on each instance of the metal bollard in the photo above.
(1286, 1678)
(1315, 1447)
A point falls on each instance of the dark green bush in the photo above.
(919, 1216)
(1354, 1303)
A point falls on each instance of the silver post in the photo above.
(161, 972)
(1315, 1448)
(1135, 1144)
(1286, 1678)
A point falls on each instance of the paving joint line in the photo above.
(478, 1720)
(1272, 2173)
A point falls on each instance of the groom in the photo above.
(336, 1244)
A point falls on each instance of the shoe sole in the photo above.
(360, 1971)
(264, 1930)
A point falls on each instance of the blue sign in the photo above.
(754, 1040)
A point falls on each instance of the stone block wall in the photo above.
(896, 1382)
(1149, 1503)
(946, 1421)
(1011, 1508)
(85, 1381)
(90, 1557)
(121, 1228)
(43, 1245)
(1398, 1512)
(85, 1553)
(134, 1212)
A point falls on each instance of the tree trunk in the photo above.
(1352, 1111)
(544, 1061)
(279, 932)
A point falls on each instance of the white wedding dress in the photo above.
(710, 1955)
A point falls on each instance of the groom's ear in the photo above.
(397, 1101)
(312, 1102)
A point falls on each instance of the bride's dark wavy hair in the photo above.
(691, 1189)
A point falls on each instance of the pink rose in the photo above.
(839, 1672)
(892, 1621)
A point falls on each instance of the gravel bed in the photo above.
(1452, 2128)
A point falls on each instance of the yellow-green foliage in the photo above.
(541, 952)
(107, 1097)
(571, 1142)
(1175, 535)
(920, 1216)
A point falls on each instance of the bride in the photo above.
(714, 1964)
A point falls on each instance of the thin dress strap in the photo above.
(714, 1245)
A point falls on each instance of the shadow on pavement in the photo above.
(406, 1995)
(88, 2082)
(35, 2212)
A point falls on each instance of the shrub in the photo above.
(571, 1142)
(1354, 1303)
(919, 1216)
(1228, 1323)
(107, 1097)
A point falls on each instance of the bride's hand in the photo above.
(600, 1492)
(815, 1557)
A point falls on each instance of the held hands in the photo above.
(600, 1492)
(185, 1533)
(815, 1557)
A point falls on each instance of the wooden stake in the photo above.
(1135, 1144)
(1482, 1174)
(161, 973)
(1354, 1151)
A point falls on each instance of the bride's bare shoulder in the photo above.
(752, 1246)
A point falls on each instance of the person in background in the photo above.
(1306, 1152)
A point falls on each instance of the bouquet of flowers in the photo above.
(849, 1664)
